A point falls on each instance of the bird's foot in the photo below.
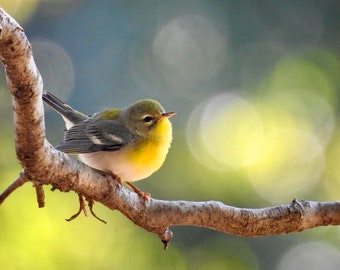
(144, 195)
(82, 207)
(114, 176)
(91, 203)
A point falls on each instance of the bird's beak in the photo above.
(167, 115)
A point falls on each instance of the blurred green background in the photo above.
(255, 85)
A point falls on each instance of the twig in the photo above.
(40, 194)
(22, 179)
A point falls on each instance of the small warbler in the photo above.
(129, 143)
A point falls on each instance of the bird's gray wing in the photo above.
(88, 137)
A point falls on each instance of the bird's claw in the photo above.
(91, 203)
(144, 195)
(82, 208)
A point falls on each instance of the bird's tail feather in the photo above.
(65, 110)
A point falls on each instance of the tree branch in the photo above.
(44, 165)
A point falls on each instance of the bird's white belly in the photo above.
(113, 161)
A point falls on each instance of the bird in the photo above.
(130, 143)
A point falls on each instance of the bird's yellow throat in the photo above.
(152, 151)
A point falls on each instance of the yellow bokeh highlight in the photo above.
(291, 167)
(225, 132)
(302, 71)
(231, 131)
(296, 106)
(276, 137)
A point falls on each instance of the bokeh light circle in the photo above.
(310, 256)
(225, 132)
(55, 66)
(292, 164)
(189, 49)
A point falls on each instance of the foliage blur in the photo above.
(255, 85)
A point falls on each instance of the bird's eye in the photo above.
(147, 119)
